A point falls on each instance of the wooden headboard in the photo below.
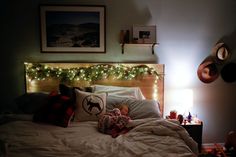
(45, 77)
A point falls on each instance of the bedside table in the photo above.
(195, 131)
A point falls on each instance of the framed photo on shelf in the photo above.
(74, 28)
(144, 34)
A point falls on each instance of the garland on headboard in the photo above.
(92, 73)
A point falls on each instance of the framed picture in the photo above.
(72, 28)
(144, 34)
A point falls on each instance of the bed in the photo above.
(54, 116)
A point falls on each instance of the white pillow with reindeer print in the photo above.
(89, 106)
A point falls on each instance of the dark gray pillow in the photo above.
(29, 103)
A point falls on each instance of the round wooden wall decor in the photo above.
(207, 70)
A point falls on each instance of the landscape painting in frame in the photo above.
(72, 29)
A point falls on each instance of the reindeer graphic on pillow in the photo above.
(92, 104)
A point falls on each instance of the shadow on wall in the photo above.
(220, 62)
(125, 21)
(153, 59)
(230, 41)
(134, 10)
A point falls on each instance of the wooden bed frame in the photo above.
(150, 80)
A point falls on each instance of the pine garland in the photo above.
(37, 71)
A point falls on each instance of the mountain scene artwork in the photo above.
(72, 29)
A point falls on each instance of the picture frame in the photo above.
(144, 34)
(71, 28)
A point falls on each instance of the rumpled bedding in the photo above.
(149, 137)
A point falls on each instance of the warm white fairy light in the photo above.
(155, 89)
(96, 72)
(155, 96)
(40, 72)
(32, 82)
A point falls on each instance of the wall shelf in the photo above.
(130, 45)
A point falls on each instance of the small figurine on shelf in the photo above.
(189, 117)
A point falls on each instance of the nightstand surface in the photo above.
(195, 131)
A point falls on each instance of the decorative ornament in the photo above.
(180, 118)
(221, 52)
(207, 70)
(189, 117)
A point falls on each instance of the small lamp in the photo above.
(180, 100)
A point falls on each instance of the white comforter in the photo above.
(150, 137)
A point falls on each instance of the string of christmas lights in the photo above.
(37, 71)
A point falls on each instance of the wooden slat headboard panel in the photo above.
(38, 80)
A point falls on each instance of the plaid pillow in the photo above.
(70, 90)
(58, 111)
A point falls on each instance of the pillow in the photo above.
(89, 106)
(138, 109)
(143, 109)
(128, 92)
(58, 111)
(114, 101)
(70, 91)
(29, 103)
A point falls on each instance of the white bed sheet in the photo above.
(150, 137)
